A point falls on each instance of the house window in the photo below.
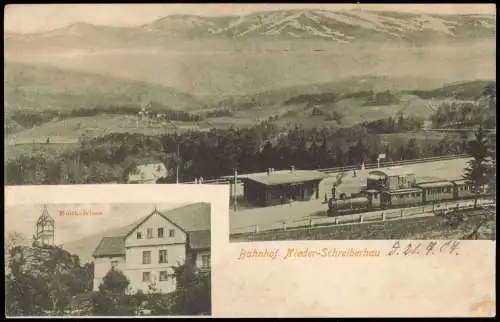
(163, 276)
(114, 264)
(149, 233)
(160, 232)
(146, 276)
(205, 261)
(163, 256)
(139, 235)
(146, 257)
(171, 233)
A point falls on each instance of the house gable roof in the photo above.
(193, 220)
(131, 228)
(110, 246)
(194, 217)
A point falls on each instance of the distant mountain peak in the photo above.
(341, 26)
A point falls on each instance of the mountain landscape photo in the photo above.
(180, 80)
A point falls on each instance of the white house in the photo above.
(146, 250)
(148, 173)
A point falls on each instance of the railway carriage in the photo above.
(401, 198)
(462, 189)
(396, 188)
(437, 191)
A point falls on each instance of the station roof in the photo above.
(435, 184)
(392, 172)
(460, 181)
(285, 177)
(399, 191)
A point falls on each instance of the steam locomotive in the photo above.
(378, 198)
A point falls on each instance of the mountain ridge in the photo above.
(340, 26)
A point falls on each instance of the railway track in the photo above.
(225, 180)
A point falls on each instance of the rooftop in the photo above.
(110, 246)
(194, 219)
(435, 184)
(393, 171)
(45, 218)
(148, 172)
(285, 177)
(405, 190)
(460, 181)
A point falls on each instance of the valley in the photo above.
(265, 75)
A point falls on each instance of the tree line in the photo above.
(217, 152)
(464, 114)
(47, 280)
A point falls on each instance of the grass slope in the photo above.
(41, 88)
(423, 228)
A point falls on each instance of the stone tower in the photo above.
(45, 227)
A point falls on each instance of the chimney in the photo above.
(292, 169)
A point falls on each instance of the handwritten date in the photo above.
(409, 248)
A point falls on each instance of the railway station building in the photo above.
(277, 187)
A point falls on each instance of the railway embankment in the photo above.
(428, 226)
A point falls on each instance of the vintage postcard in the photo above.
(345, 136)
(81, 253)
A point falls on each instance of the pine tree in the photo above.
(478, 172)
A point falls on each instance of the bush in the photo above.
(114, 281)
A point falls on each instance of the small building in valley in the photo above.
(147, 173)
(275, 187)
(147, 250)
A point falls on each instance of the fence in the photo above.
(318, 220)
(367, 166)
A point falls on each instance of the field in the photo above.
(421, 228)
(74, 128)
(39, 88)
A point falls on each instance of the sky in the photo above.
(22, 218)
(30, 18)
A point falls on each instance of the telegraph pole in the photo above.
(235, 202)
(178, 161)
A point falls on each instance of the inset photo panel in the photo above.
(71, 252)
